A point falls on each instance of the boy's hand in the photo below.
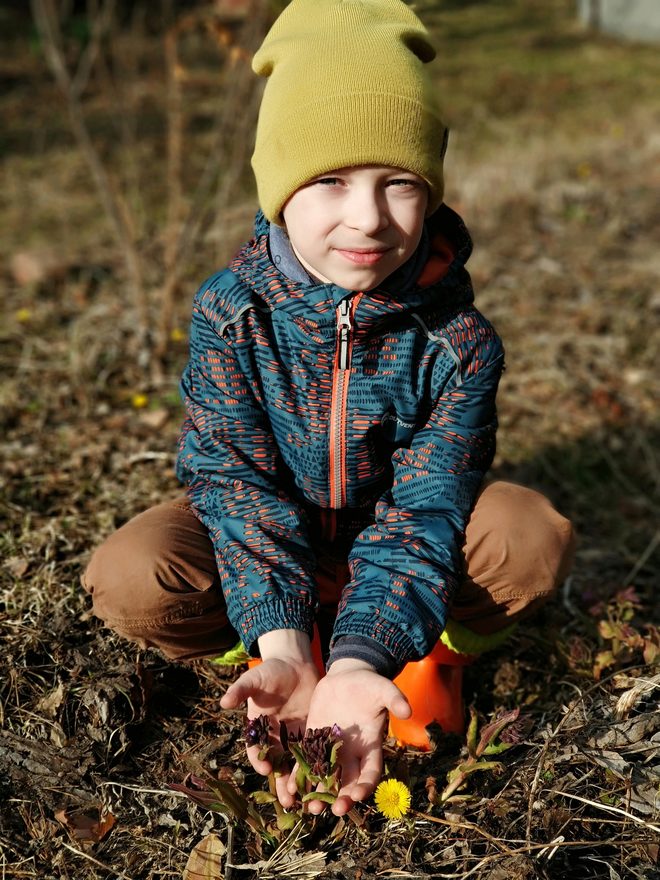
(281, 687)
(356, 698)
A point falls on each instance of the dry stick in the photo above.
(100, 23)
(546, 746)
(174, 190)
(465, 825)
(178, 248)
(538, 847)
(643, 559)
(46, 22)
(96, 862)
(608, 809)
(249, 105)
(232, 123)
(229, 867)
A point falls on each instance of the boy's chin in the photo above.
(359, 280)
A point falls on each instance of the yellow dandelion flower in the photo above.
(177, 335)
(139, 401)
(23, 315)
(584, 170)
(392, 798)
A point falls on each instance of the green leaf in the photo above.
(287, 821)
(472, 733)
(263, 797)
(326, 796)
(496, 766)
(298, 754)
(497, 748)
(334, 753)
(234, 657)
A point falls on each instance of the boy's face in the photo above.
(355, 226)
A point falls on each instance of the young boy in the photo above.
(340, 399)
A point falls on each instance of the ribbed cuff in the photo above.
(363, 648)
(279, 613)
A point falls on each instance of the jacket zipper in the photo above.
(340, 378)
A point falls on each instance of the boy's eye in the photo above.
(327, 181)
(404, 181)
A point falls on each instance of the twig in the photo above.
(534, 847)
(174, 186)
(467, 826)
(643, 559)
(229, 867)
(551, 736)
(608, 809)
(113, 871)
(46, 23)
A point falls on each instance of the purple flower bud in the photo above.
(316, 745)
(257, 731)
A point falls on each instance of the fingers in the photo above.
(284, 795)
(396, 703)
(243, 688)
(360, 776)
(292, 788)
(261, 766)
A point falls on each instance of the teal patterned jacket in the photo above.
(326, 425)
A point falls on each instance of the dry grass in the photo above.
(554, 164)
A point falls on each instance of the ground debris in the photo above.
(42, 767)
(630, 734)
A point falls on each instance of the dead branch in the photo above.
(226, 156)
(71, 86)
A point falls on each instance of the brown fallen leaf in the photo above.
(84, 827)
(205, 861)
(52, 701)
(154, 418)
(17, 566)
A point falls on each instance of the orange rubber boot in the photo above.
(433, 687)
(316, 654)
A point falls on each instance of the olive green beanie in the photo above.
(347, 85)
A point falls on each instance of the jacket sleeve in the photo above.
(407, 565)
(235, 475)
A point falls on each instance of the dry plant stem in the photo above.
(229, 867)
(242, 109)
(48, 26)
(227, 154)
(643, 559)
(538, 848)
(468, 826)
(608, 809)
(544, 752)
(96, 862)
(174, 189)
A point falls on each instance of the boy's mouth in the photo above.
(363, 256)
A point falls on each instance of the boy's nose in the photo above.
(367, 212)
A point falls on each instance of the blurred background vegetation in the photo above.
(124, 181)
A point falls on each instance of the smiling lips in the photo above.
(365, 257)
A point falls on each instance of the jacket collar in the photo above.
(434, 274)
(284, 258)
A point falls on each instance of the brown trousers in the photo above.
(155, 580)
